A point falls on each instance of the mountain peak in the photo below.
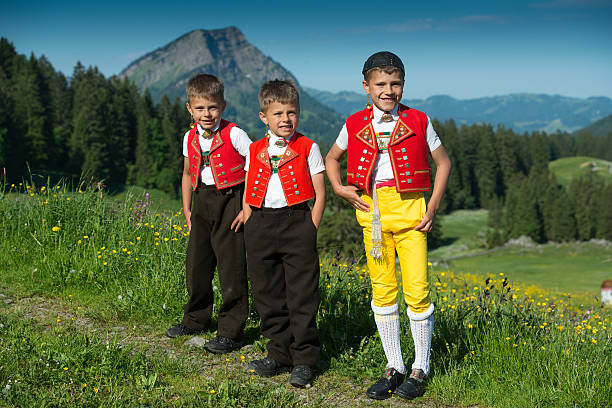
(227, 54)
(223, 52)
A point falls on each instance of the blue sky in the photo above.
(464, 49)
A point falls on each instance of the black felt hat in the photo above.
(383, 59)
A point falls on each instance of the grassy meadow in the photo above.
(568, 168)
(88, 286)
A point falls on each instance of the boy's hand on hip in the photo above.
(238, 221)
(349, 193)
(426, 224)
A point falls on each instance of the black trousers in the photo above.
(212, 244)
(284, 273)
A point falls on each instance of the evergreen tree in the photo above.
(564, 226)
(510, 210)
(59, 110)
(147, 129)
(583, 192)
(5, 121)
(604, 221)
(122, 127)
(173, 127)
(487, 167)
(526, 219)
(30, 114)
(91, 152)
(506, 142)
(539, 152)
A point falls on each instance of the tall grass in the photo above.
(496, 343)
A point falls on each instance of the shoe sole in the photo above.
(406, 396)
(220, 351)
(300, 385)
(174, 336)
(379, 398)
(278, 371)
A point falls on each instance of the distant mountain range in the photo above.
(243, 69)
(522, 112)
(227, 54)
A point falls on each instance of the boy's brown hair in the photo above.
(205, 86)
(387, 69)
(282, 91)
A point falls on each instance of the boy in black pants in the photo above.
(285, 170)
(213, 176)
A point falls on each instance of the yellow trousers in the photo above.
(399, 214)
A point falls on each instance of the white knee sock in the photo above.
(421, 334)
(388, 323)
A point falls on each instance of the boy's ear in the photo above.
(366, 87)
(263, 118)
(223, 105)
(188, 107)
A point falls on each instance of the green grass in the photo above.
(579, 267)
(109, 263)
(569, 168)
(569, 267)
(464, 231)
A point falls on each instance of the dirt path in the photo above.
(336, 391)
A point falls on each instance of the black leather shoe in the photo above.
(384, 387)
(301, 376)
(181, 330)
(414, 386)
(267, 367)
(222, 345)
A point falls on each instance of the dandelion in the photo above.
(65, 368)
(429, 264)
(543, 348)
(84, 385)
(96, 390)
(212, 391)
(85, 236)
(470, 326)
(55, 229)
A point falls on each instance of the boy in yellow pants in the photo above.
(388, 147)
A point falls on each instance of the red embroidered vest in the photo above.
(292, 170)
(226, 163)
(407, 149)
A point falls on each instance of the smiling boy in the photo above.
(387, 147)
(285, 171)
(213, 179)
